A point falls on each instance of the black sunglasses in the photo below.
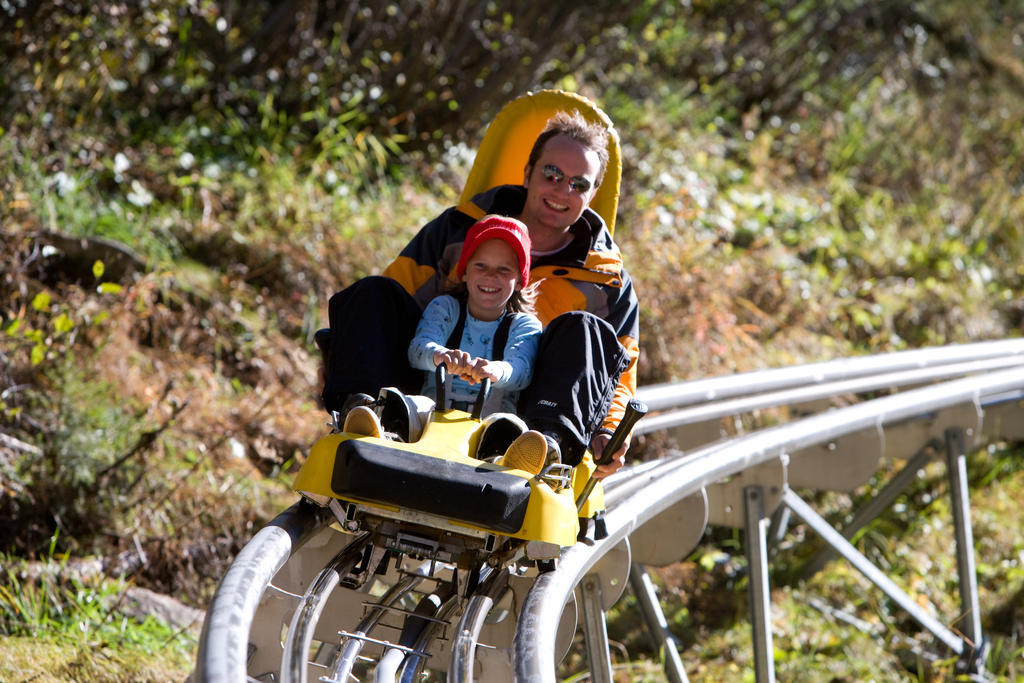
(555, 175)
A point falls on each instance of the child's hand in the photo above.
(465, 367)
(483, 368)
(478, 369)
(457, 361)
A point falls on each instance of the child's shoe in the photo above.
(499, 431)
(363, 421)
(528, 453)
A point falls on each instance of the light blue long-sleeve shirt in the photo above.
(515, 368)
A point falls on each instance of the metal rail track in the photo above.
(288, 608)
(748, 479)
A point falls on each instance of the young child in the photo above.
(484, 327)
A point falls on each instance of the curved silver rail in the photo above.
(660, 397)
(817, 392)
(648, 493)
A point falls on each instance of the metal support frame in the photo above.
(870, 571)
(972, 659)
(657, 625)
(664, 484)
(760, 598)
(595, 630)
(877, 505)
(777, 528)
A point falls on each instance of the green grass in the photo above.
(58, 660)
(57, 626)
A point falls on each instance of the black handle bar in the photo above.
(635, 409)
(440, 375)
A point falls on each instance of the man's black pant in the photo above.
(578, 366)
(579, 361)
(372, 322)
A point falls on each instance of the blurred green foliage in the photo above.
(406, 70)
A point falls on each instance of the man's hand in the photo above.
(597, 445)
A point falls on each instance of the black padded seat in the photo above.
(486, 498)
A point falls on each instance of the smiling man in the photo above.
(586, 366)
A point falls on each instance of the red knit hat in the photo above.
(493, 227)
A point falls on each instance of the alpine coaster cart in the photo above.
(401, 557)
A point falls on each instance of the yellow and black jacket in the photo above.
(587, 275)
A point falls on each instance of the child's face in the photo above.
(492, 274)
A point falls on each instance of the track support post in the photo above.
(657, 625)
(760, 598)
(972, 658)
(595, 630)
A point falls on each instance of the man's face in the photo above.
(553, 204)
